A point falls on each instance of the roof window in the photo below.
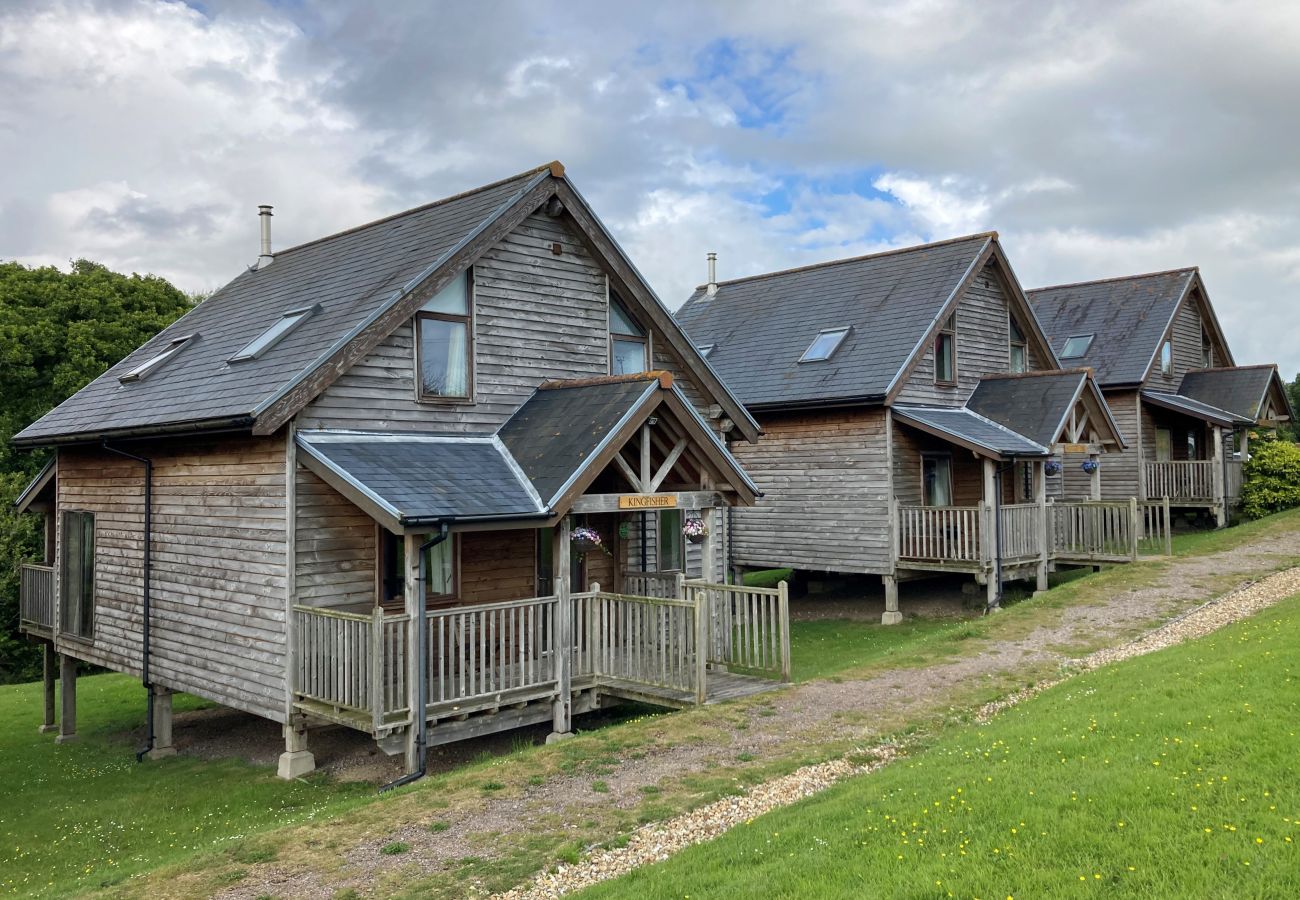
(825, 344)
(1076, 346)
(706, 349)
(273, 335)
(153, 362)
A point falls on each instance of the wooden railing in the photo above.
(1022, 533)
(654, 584)
(1094, 530)
(36, 597)
(941, 533)
(1191, 479)
(1156, 535)
(749, 627)
(353, 663)
(492, 652)
(644, 640)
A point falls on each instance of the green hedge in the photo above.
(1272, 478)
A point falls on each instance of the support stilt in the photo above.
(892, 616)
(162, 723)
(49, 676)
(68, 684)
(296, 760)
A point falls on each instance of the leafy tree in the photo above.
(1293, 390)
(58, 331)
(1272, 478)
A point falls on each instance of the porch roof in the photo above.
(1239, 389)
(971, 430)
(1195, 408)
(40, 486)
(1037, 405)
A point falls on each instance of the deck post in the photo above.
(1169, 522)
(161, 698)
(1220, 488)
(783, 616)
(562, 706)
(1135, 527)
(1094, 477)
(891, 615)
(412, 598)
(701, 647)
(1045, 525)
(708, 572)
(48, 678)
(68, 685)
(376, 673)
(296, 760)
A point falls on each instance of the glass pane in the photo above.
(444, 363)
(87, 575)
(1167, 358)
(453, 300)
(943, 362)
(1017, 336)
(670, 540)
(1018, 358)
(937, 480)
(627, 357)
(545, 561)
(438, 568)
(824, 345)
(621, 323)
(271, 335)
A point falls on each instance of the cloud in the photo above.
(1097, 139)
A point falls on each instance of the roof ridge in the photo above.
(1114, 278)
(993, 235)
(1233, 368)
(555, 166)
(1002, 376)
(665, 379)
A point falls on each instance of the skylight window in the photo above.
(273, 335)
(1076, 346)
(706, 349)
(153, 362)
(825, 344)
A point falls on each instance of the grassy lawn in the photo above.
(1168, 775)
(827, 647)
(84, 815)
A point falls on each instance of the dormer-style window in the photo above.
(445, 343)
(1076, 346)
(153, 362)
(945, 352)
(628, 347)
(824, 345)
(1019, 349)
(1167, 358)
(273, 335)
(1207, 351)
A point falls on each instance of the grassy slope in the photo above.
(83, 815)
(1167, 775)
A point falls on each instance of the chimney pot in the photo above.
(713, 273)
(264, 214)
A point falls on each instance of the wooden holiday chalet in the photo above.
(914, 419)
(429, 478)
(1164, 365)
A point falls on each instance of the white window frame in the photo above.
(280, 329)
(154, 362)
(842, 332)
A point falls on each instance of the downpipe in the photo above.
(422, 667)
(146, 677)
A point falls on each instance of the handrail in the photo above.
(488, 607)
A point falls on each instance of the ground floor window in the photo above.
(671, 557)
(441, 564)
(77, 577)
(936, 479)
(1164, 445)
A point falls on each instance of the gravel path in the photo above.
(657, 842)
(815, 712)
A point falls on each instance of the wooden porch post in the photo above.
(1045, 550)
(708, 570)
(990, 525)
(411, 602)
(1094, 477)
(68, 683)
(48, 677)
(161, 698)
(1220, 489)
(562, 706)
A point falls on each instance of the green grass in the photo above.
(769, 578)
(85, 815)
(1167, 775)
(823, 648)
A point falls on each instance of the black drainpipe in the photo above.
(145, 674)
(422, 668)
(644, 545)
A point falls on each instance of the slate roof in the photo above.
(1034, 404)
(1195, 408)
(760, 326)
(1128, 316)
(1239, 390)
(427, 478)
(349, 274)
(970, 428)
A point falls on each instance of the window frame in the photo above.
(468, 320)
(1087, 338)
(1168, 435)
(85, 622)
(299, 315)
(611, 336)
(158, 360)
(937, 456)
(1165, 358)
(947, 329)
(1014, 329)
(392, 554)
(679, 542)
(1207, 350)
(842, 330)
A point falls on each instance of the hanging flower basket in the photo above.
(1052, 467)
(695, 530)
(1089, 465)
(586, 539)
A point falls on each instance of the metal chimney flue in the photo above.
(265, 258)
(713, 273)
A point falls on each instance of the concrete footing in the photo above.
(556, 736)
(296, 760)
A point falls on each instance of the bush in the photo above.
(1272, 478)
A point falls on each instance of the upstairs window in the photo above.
(824, 345)
(1019, 348)
(628, 347)
(444, 343)
(945, 352)
(1167, 358)
(273, 335)
(153, 362)
(1207, 351)
(1076, 346)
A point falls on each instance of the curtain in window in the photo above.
(438, 568)
(938, 481)
(444, 363)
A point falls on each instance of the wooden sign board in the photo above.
(647, 501)
(1073, 448)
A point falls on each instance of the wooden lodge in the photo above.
(447, 473)
(1163, 363)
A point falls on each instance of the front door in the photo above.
(546, 565)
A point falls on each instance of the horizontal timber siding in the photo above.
(336, 547)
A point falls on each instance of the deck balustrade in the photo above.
(948, 533)
(36, 604)
(1191, 479)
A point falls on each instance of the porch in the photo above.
(36, 602)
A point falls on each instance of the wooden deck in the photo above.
(720, 687)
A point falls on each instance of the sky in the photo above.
(1098, 139)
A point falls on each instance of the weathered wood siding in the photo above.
(536, 316)
(336, 547)
(967, 471)
(983, 346)
(498, 565)
(218, 567)
(1119, 469)
(1185, 331)
(825, 481)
